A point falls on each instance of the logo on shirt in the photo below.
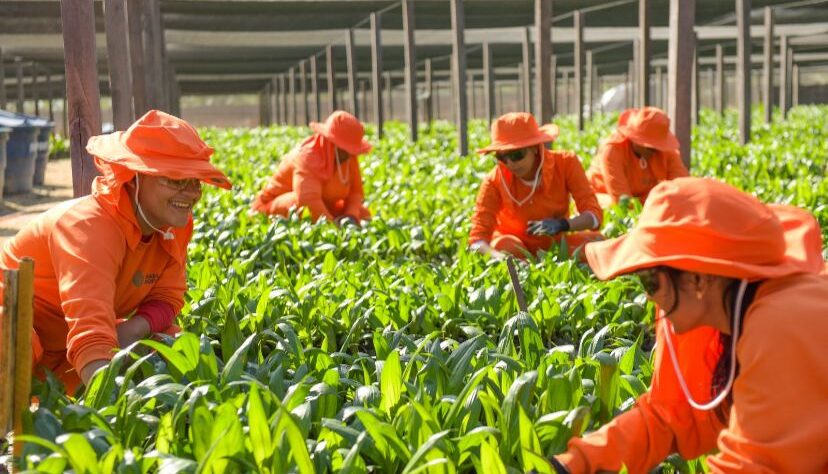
(139, 278)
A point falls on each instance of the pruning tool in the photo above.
(519, 294)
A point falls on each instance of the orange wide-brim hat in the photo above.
(517, 130)
(159, 144)
(345, 131)
(648, 126)
(706, 226)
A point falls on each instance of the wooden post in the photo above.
(795, 85)
(135, 23)
(743, 51)
(303, 92)
(410, 66)
(49, 95)
(376, 70)
(82, 93)
(117, 55)
(3, 99)
(488, 82)
(18, 63)
(283, 104)
(682, 18)
(658, 100)
(578, 23)
(292, 115)
(23, 350)
(473, 95)
(630, 83)
(566, 93)
(35, 91)
(331, 75)
(720, 82)
(458, 26)
(789, 67)
(314, 76)
(363, 90)
(694, 95)
(429, 105)
(7, 352)
(590, 81)
(784, 78)
(389, 96)
(350, 58)
(635, 83)
(527, 70)
(154, 55)
(543, 51)
(643, 53)
(553, 79)
(767, 65)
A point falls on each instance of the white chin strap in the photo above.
(166, 234)
(740, 296)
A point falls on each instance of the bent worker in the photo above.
(118, 252)
(641, 153)
(321, 174)
(523, 205)
(740, 331)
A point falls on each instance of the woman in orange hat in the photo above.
(523, 203)
(321, 174)
(641, 153)
(740, 330)
(109, 267)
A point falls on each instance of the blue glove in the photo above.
(549, 227)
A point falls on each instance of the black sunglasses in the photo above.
(514, 155)
(649, 280)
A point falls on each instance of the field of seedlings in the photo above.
(390, 348)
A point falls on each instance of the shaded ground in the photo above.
(18, 209)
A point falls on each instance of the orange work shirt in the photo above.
(91, 268)
(617, 171)
(562, 177)
(778, 421)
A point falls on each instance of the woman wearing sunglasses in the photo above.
(523, 203)
(109, 267)
(740, 369)
(641, 153)
(321, 174)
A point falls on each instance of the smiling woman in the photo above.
(97, 258)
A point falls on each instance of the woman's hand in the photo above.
(486, 249)
(132, 330)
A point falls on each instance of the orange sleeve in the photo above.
(779, 422)
(581, 191)
(353, 203)
(487, 207)
(308, 188)
(86, 255)
(675, 167)
(612, 164)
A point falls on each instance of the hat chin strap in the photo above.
(166, 234)
(740, 296)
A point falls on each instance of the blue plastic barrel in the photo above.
(21, 150)
(42, 154)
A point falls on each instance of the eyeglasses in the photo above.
(514, 155)
(649, 280)
(181, 184)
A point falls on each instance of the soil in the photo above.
(18, 209)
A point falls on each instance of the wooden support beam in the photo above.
(767, 65)
(3, 98)
(23, 351)
(694, 97)
(458, 43)
(154, 55)
(784, 77)
(488, 82)
(350, 58)
(634, 79)
(543, 51)
(376, 70)
(276, 109)
(18, 67)
(720, 82)
(135, 23)
(643, 53)
(566, 93)
(590, 81)
(303, 92)
(35, 91)
(743, 51)
(363, 90)
(284, 101)
(117, 56)
(330, 72)
(410, 66)
(82, 92)
(658, 100)
(292, 115)
(789, 67)
(429, 85)
(314, 77)
(553, 79)
(527, 70)
(473, 96)
(389, 96)
(578, 23)
(682, 18)
(630, 84)
(50, 95)
(795, 85)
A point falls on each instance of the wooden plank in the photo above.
(488, 82)
(682, 17)
(526, 68)
(3, 98)
(292, 114)
(18, 68)
(82, 93)
(303, 92)
(23, 351)
(767, 65)
(743, 51)
(543, 51)
(784, 76)
(644, 56)
(7, 350)
(330, 71)
(578, 22)
(458, 43)
(135, 22)
(410, 52)
(590, 82)
(350, 58)
(316, 109)
(720, 82)
(429, 85)
(117, 56)
(376, 71)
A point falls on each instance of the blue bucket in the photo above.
(21, 151)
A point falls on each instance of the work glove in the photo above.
(549, 227)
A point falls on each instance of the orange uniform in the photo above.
(778, 419)
(312, 177)
(499, 219)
